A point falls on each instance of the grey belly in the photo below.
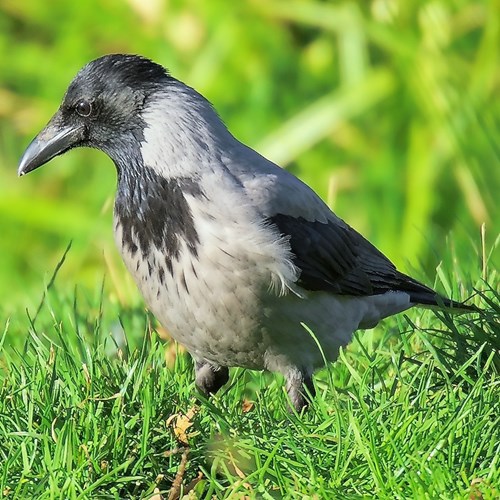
(226, 311)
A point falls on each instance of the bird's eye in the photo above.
(83, 108)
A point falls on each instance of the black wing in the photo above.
(334, 257)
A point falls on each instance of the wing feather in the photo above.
(334, 257)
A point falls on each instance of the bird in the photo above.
(239, 260)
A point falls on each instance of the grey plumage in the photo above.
(231, 253)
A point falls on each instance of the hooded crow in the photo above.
(233, 255)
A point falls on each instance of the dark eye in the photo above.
(83, 108)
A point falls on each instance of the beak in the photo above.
(55, 139)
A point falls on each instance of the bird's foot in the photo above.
(300, 389)
(210, 377)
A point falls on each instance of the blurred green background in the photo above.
(388, 108)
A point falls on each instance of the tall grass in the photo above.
(89, 409)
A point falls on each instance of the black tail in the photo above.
(422, 295)
(434, 300)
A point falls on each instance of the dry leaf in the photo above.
(238, 471)
(246, 406)
(475, 492)
(181, 423)
(156, 495)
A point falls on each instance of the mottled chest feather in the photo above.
(153, 212)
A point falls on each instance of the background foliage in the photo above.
(389, 109)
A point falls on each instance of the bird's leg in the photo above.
(297, 381)
(210, 377)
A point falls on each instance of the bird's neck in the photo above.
(183, 135)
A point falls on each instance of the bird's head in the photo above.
(102, 108)
(112, 104)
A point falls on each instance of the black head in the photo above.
(101, 109)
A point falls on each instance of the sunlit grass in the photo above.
(89, 409)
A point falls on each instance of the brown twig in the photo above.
(175, 490)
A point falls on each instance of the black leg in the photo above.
(297, 381)
(210, 377)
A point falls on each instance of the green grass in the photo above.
(410, 410)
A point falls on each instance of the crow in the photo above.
(237, 258)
